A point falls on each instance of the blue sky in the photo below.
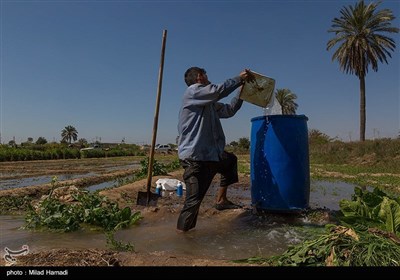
(94, 65)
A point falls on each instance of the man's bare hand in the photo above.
(247, 75)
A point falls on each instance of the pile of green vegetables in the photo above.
(367, 234)
(83, 209)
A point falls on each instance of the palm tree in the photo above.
(69, 133)
(286, 98)
(360, 33)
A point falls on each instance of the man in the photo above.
(202, 141)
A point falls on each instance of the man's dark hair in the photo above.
(191, 75)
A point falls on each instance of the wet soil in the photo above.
(126, 195)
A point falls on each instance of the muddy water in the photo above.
(244, 236)
(238, 235)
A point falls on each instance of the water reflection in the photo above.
(39, 180)
(327, 194)
(109, 184)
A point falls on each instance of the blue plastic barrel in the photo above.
(280, 169)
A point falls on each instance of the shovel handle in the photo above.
(155, 123)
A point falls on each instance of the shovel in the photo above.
(148, 198)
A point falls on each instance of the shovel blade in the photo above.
(147, 199)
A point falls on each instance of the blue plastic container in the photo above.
(179, 190)
(280, 169)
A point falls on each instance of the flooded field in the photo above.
(22, 174)
(219, 235)
(239, 234)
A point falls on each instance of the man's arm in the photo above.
(229, 110)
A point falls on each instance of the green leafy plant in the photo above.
(116, 244)
(158, 168)
(340, 246)
(12, 203)
(85, 207)
(372, 209)
(368, 235)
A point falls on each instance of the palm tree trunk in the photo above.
(362, 108)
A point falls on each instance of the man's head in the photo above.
(196, 75)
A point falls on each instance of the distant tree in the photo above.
(28, 142)
(41, 141)
(82, 142)
(244, 143)
(69, 133)
(12, 143)
(234, 144)
(360, 33)
(286, 99)
(317, 137)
